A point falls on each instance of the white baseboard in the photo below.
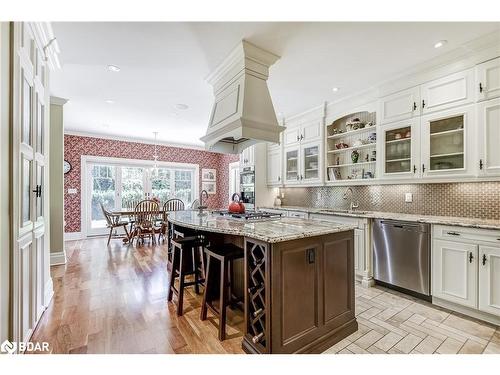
(49, 292)
(467, 311)
(72, 236)
(58, 258)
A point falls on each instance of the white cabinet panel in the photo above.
(488, 79)
(454, 272)
(274, 167)
(291, 136)
(400, 149)
(488, 121)
(400, 106)
(446, 140)
(310, 163)
(292, 165)
(311, 132)
(447, 92)
(489, 279)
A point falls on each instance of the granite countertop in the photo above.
(443, 220)
(269, 230)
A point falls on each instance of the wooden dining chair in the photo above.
(112, 222)
(146, 214)
(170, 205)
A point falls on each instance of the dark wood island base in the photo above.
(299, 294)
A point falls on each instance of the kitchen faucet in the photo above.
(201, 206)
(353, 205)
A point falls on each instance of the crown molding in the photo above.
(134, 140)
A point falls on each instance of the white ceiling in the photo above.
(164, 64)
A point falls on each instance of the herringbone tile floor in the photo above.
(391, 322)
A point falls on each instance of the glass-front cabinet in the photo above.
(292, 173)
(310, 162)
(446, 142)
(400, 149)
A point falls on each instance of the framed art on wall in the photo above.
(208, 174)
(209, 186)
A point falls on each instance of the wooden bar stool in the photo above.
(225, 255)
(187, 259)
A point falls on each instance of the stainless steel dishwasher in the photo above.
(402, 255)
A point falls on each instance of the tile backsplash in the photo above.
(472, 199)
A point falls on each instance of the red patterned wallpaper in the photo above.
(76, 146)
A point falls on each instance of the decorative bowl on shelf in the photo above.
(341, 145)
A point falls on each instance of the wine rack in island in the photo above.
(351, 150)
(257, 297)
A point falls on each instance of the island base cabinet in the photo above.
(489, 279)
(302, 299)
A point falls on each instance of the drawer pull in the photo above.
(453, 233)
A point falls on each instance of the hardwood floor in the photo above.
(114, 300)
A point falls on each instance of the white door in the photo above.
(311, 131)
(291, 136)
(451, 91)
(292, 165)
(447, 141)
(454, 272)
(400, 106)
(310, 168)
(30, 141)
(488, 124)
(400, 149)
(489, 279)
(488, 79)
(274, 167)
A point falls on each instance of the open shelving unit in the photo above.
(339, 164)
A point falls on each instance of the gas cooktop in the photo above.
(248, 215)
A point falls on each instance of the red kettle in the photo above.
(236, 206)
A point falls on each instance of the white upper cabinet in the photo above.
(447, 140)
(247, 157)
(488, 126)
(400, 149)
(310, 163)
(311, 131)
(489, 279)
(488, 79)
(274, 166)
(292, 165)
(291, 136)
(400, 106)
(451, 91)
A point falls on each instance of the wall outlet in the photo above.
(408, 197)
(318, 195)
(72, 191)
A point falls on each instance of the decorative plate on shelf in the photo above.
(66, 166)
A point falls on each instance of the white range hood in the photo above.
(243, 112)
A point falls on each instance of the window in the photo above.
(122, 186)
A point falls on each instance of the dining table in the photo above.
(130, 212)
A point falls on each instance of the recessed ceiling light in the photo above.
(110, 101)
(113, 68)
(440, 43)
(181, 106)
(335, 89)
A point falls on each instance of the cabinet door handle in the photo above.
(279, 178)
(480, 163)
(453, 233)
(301, 137)
(298, 138)
(414, 168)
(298, 177)
(414, 106)
(471, 257)
(423, 168)
(484, 259)
(423, 104)
(480, 87)
(311, 256)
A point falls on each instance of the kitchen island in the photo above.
(298, 278)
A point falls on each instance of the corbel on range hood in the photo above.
(243, 112)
